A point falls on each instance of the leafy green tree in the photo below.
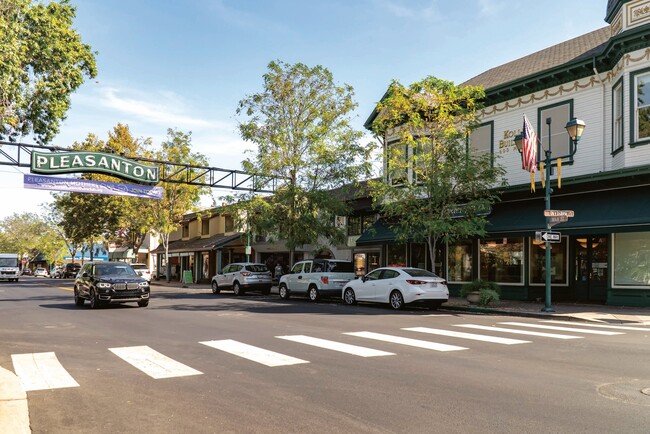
(300, 123)
(27, 234)
(179, 198)
(435, 187)
(42, 62)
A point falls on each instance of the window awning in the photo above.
(604, 211)
(199, 244)
(378, 233)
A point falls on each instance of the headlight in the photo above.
(143, 284)
(103, 285)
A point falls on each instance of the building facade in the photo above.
(604, 251)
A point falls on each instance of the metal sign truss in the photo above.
(19, 154)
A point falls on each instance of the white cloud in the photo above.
(165, 109)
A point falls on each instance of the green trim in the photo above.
(633, 134)
(641, 143)
(616, 152)
(620, 82)
(613, 6)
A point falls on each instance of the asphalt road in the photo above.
(590, 383)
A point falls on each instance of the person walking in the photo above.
(278, 272)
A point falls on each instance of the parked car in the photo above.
(143, 271)
(56, 273)
(41, 272)
(316, 278)
(398, 286)
(26, 271)
(242, 277)
(71, 270)
(104, 283)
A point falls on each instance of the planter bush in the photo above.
(487, 291)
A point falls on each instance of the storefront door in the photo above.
(591, 272)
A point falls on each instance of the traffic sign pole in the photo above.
(547, 153)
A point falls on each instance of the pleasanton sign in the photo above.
(95, 162)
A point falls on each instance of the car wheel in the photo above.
(143, 303)
(94, 299)
(284, 292)
(79, 301)
(396, 300)
(312, 293)
(348, 297)
(236, 289)
(215, 288)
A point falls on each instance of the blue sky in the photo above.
(186, 64)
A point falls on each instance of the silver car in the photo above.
(242, 277)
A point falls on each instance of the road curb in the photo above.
(488, 311)
(14, 412)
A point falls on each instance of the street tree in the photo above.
(300, 124)
(178, 198)
(29, 235)
(42, 62)
(435, 186)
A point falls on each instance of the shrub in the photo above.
(488, 291)
(487, 296)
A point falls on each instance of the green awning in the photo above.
(378, 233)
(605, 211)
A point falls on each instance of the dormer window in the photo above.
(186, 230)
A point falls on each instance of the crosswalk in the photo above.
(43, 371)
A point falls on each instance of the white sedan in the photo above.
(397, 286)
(41, 272)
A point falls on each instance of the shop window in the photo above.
(419, 256)
(632, 259)
(481, 139)
(617, 116)
(459, 260)
(559, 114)
(641, 107)
(559, 262)
(396, 255)
(501, 260)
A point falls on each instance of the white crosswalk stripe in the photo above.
(255, 354)
(406, 341)
(565, 329)
(41, 371)
(153, 363)
(604, 326)
(518, 332)
(337, 346)
(461, 335)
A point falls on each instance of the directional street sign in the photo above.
(555, 220)
(558, 213)
(551, 237)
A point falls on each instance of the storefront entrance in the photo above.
(591, 268)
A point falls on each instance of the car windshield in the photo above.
(114, 270)
(257, 268)
(418, 272)
(340, 267)
(139, 266)
(8, 262)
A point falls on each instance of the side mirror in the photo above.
(364, 278)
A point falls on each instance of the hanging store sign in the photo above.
(96, 187)
(48, 163)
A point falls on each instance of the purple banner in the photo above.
(96, 187)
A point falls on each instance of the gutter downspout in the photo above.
(604, 113)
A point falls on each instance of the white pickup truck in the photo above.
(316, 278)
(9, 267)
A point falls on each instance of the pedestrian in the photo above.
(278, 271)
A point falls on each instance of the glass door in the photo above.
(591, 271)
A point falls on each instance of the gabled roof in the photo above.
(583, 47)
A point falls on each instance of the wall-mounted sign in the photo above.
(94, 162)
(507, 144)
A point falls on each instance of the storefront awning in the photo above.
(604, 211)
(378, 233)
(199, 244)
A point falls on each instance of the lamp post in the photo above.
(574, 128)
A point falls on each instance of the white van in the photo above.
(9, 267)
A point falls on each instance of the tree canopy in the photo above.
(436, 185)
(42, 62)
(300, 123)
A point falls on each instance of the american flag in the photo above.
(529, 161)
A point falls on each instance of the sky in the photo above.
(186, 64)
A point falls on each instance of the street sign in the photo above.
(558, 213)
(551, 237)
(555, 220)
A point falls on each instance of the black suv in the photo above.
(105, 283)
(70, 270)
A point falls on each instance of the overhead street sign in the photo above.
(555, 220)
(558, 213)
(551, 237)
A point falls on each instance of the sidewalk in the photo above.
(597, 313)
